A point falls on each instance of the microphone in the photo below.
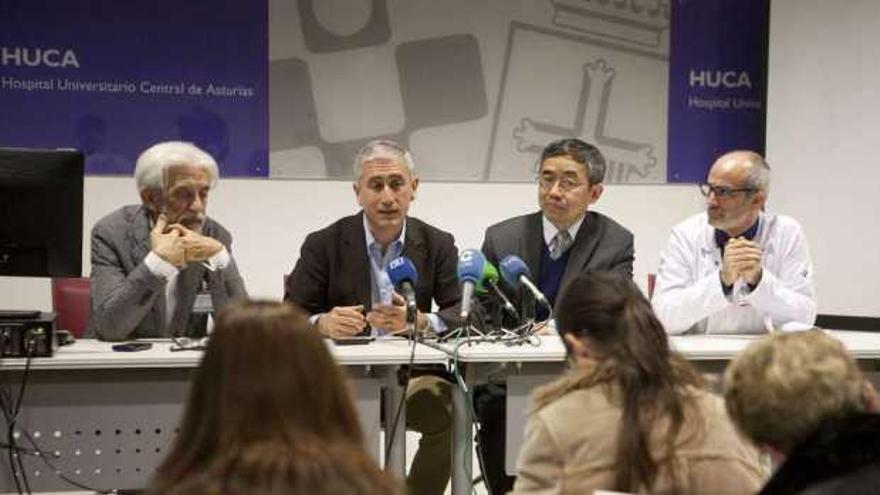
(516, 273)
(471, 264)
(404, 276)
(490, 279)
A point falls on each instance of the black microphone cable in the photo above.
(413, 337)
(11, 411)
(38, 452)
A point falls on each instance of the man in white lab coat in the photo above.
(735, 268)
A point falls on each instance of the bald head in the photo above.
(739, 183)
(747, 166)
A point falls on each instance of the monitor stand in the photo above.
(19, 314)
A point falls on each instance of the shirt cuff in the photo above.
(220, 260)
(160, 267)
(726, 289)
(435, 323)
(313, 320)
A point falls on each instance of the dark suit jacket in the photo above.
(601, 244)
(128, 301)
(333, 268)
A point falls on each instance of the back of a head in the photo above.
(265, 374)
(311, 466)
(610, 310)
(265, 362)
(781, 388)
(630, 345)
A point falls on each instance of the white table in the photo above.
(526, 366)
(111, 416)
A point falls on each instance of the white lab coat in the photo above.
(688, 297)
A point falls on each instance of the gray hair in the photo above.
(382, 148)
(759, 174)
(151, 165)
(782, 387)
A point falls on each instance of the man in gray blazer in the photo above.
(557, 243)
(160, 267)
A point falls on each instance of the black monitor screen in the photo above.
(41, 213)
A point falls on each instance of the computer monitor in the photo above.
(41, 213)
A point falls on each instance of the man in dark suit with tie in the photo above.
(340, 279)
(557, 243)
(160, 267)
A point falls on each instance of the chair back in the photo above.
(71, 301)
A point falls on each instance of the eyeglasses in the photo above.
(546, 183)
(723, 191)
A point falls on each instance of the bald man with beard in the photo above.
(735, 268)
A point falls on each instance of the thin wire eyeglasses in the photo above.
(546, 183)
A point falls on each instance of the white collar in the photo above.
(368, 236)
(550, 230)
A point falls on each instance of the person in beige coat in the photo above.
(630, 415)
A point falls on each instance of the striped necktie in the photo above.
(560, 243)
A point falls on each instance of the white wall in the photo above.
(270, 218)
(822, 137)
(822, 132)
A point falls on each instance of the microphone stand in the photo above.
(471, 331)
(529, 309)
(532, 325)
(466, 329)
(411, 312)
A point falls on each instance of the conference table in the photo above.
(106, 419)
(540, 359)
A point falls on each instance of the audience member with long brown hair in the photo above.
(269, 412)
(630, 415)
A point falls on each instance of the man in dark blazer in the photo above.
(601, 244)
(334, 271)
(159, 268)
(340, 280)
(557, 243)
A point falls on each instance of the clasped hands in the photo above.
(345, 321)
(179, 245)
(742, 259)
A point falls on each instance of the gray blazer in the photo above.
(128, 301)
(601, 244)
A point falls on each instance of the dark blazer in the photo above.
(128, 301)
(601, 244)
(333, 268)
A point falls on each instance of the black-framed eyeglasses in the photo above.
(723, 191)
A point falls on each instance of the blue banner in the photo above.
(717, 82)
(111, 78)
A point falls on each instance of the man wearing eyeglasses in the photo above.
(159, 268)
(557, 243)
(735, 268)
(564, 238)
